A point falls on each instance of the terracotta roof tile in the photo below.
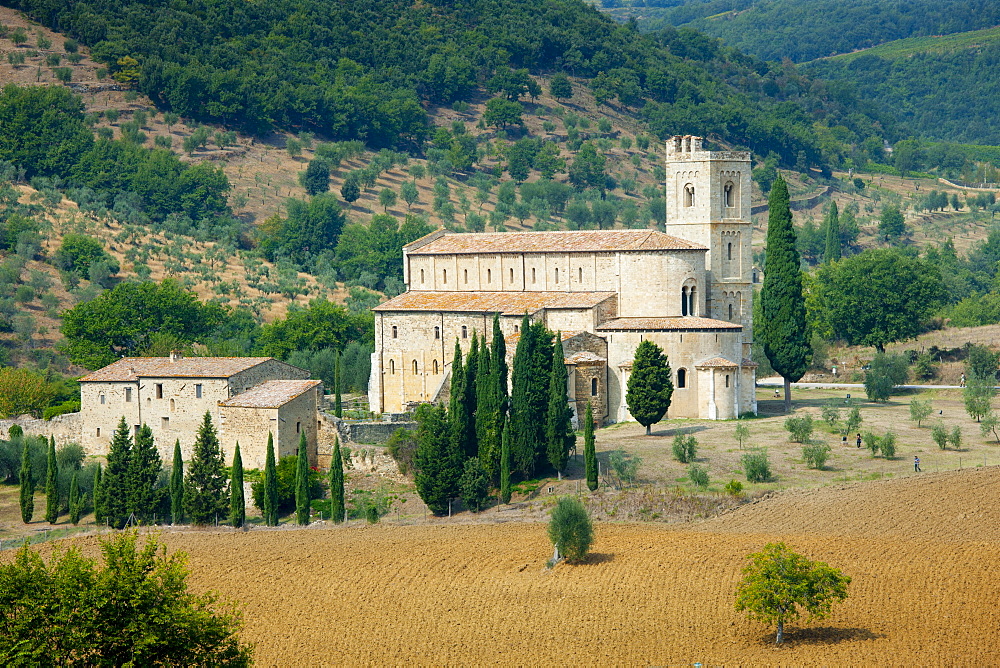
(747, 362)
(507, 303)
(272, 394)
(716, 363)
(684, 322)
(585, 357)
(578, 241)
(133, 368)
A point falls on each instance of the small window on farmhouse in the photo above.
(444, 275)
(298, 427)
(557, 275)
(172, 406)
(98, 432)
(489, 275)
(422, 276)
(392, 366)
(532, 274)
(682, 376)
(395, 331)
(517, 328)
(103, 399)
(197, 391)
(165, 423)
(512, 275)
(435, 367)
(727, 380)
(437, 332)
(466, 275)
(159, 390)
(128, 394)
(465, 332)
(414, 367)
(580, 275)
(593, 387)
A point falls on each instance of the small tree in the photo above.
(778, 583)
(270, 509)
(560, 86)
(51, 484)
(831, 414)
(75, 499)
(756, 465)
(887, 445)
(98, 495)
(386, 198)
(978, 396)
(237, 504)
(955, 438)
(920, 410)
(649, 385)
(939, 434)
(853, 421)
(474, 485)
(741, 432)
(27, 479)
(409, 193)
(302, 482)
(589, 450)
(815, 455)
(177, 486)
(871, 441)
(205, 497)
(685, 448)
(799, 428)
(505, 465)
(571, 530)
(698, 475)
(337, 509)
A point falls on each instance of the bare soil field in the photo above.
(922, 553)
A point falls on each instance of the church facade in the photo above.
(688, 290)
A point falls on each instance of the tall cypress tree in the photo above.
(177, 486)
(98, 494)
(499, 368)
(205, 497)
(505, 465)
(302, 482)
(459, 419)
(337, 510)
(143, 471)
(338, 406)
(27, 479)
(832, 250)
(589, 451)
(51, 484)
(529, 397)
(270, 485)
(785, 335)
(650, 386)
(558, 417)
(438, 462)
(237, 504)
(487, 414)
(75, 502)
(470, 444)
(115, 483)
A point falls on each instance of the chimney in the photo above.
(175, 355)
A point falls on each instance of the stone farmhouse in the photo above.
(689, 290)
(247, 397)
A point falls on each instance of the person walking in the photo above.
(859, 440)
(916, 464)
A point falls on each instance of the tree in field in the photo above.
(409, 193)
(75, 499)
(505, 466)
(302, 482)
(784, 333)
(878, 297)
(559, 436)
(350, 189)
(237, 504)
(742, 432)
(386, 198)
(977, 395)
(205, 497)
(778, 584)
(51, 484)
(649, 386)
(501, 112)
(920, 410)
(832, 251)
(337, 510)
(177, 486)
(143, 471)
(891, 224)
(316, 179)
(589, 450)
(571, 530)
(27, 479)
(885, 373)
(116, 481)
(270, 508)
(529, 396)
(560, 86)
(98, 494)
(438, 462)
(134, 609)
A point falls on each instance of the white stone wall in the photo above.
(250, 427)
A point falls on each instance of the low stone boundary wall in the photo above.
(65, 428)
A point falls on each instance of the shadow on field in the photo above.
(599, 558)
(823, 635)
(678, 430)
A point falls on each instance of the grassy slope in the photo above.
(902, 48)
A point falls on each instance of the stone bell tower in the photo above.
(708, 202)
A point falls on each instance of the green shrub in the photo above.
(939, 434)
(831, 413)
(698, 475)
(734, 488)
(956, 437)
(570, 529)
(402, 447)
(799, 428)
(285, 473)
(871, 442)
(685, 448)
(887, 445)
(626, 467)
(474, 485)
(756, 465)
(71, 406)
(816, 455)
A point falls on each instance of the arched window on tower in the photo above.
(727, 380)
(414, 367)
(682, 376)
(435, 367)
(729, 251)
(395, 332)
(684, 301)
(593, 387)
(691, 302)
(730, 312)
(437, 332)
(392, 366)
(689, 195)
(729, 194)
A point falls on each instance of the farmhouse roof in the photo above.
(271, 394)
(575, 241)
(133, 368)
(716, 363)
(676, 323)
(507, 303)
(585, 357)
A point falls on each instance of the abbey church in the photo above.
(688, 290)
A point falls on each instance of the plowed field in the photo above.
(923, 554)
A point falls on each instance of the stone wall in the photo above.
(65, 428)
(365, 433)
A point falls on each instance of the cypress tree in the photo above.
(98, 492)
(270, 485)
(177, 486)
(784, 333)
(75, 502)
(505, 462)
(589, 451)
(438, 462)
(205, 497)
(499, 368)
(650, 386)
(487, 414)
(338, 406)
(470, 444)
(459, 419)
(302, 482)
(51, 484)
(558, 417)
(115, 483)
(337, 510)
(27, 480)
(237, 505)
(832, 251)
(529, 398)
(143, 471)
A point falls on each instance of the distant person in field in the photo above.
(916, 464)
(859, 440)
(962, 381)
(777, 394)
